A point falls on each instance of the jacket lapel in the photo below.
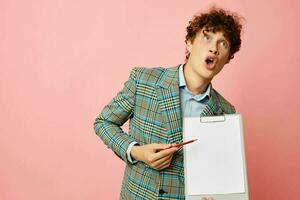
(169, 100)
(212, 107)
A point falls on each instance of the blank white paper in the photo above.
(214, 163)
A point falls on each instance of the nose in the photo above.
(214, 49)
(216, 52)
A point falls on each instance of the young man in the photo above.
(155, 100)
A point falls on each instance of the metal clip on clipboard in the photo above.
(209, 119)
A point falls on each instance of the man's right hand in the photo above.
(157, 156)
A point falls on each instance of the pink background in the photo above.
(61, 61)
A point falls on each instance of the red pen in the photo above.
(184, 143)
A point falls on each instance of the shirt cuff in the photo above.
(128, 153)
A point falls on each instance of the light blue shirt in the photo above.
(191, 105)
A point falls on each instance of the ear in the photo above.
(189, 45)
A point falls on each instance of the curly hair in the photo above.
(215, 20)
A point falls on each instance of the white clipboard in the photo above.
(215, 165)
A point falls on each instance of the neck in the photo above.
(195, 83)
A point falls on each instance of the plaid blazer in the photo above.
(150, 100)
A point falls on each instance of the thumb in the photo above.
(162, 146)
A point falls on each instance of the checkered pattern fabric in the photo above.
(150, 100)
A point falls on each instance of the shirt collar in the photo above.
(181, 76)
(182, 83)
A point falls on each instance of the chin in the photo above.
(206, 76)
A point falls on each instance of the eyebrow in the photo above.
(205, 31)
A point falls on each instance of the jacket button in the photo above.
(161, 191)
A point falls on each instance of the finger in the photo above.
(157, 156)
(164, 164)
(158, 162)
(173, 144)
(161, 168)
(164, 161)
(203, 198)
(164, 153)
(170, 145)
(158, 147)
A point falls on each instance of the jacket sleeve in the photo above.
(108, 123)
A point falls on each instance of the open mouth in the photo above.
(210, 62)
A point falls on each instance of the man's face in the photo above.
(209, 52)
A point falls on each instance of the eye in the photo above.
(206, 37)
(224, 44)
